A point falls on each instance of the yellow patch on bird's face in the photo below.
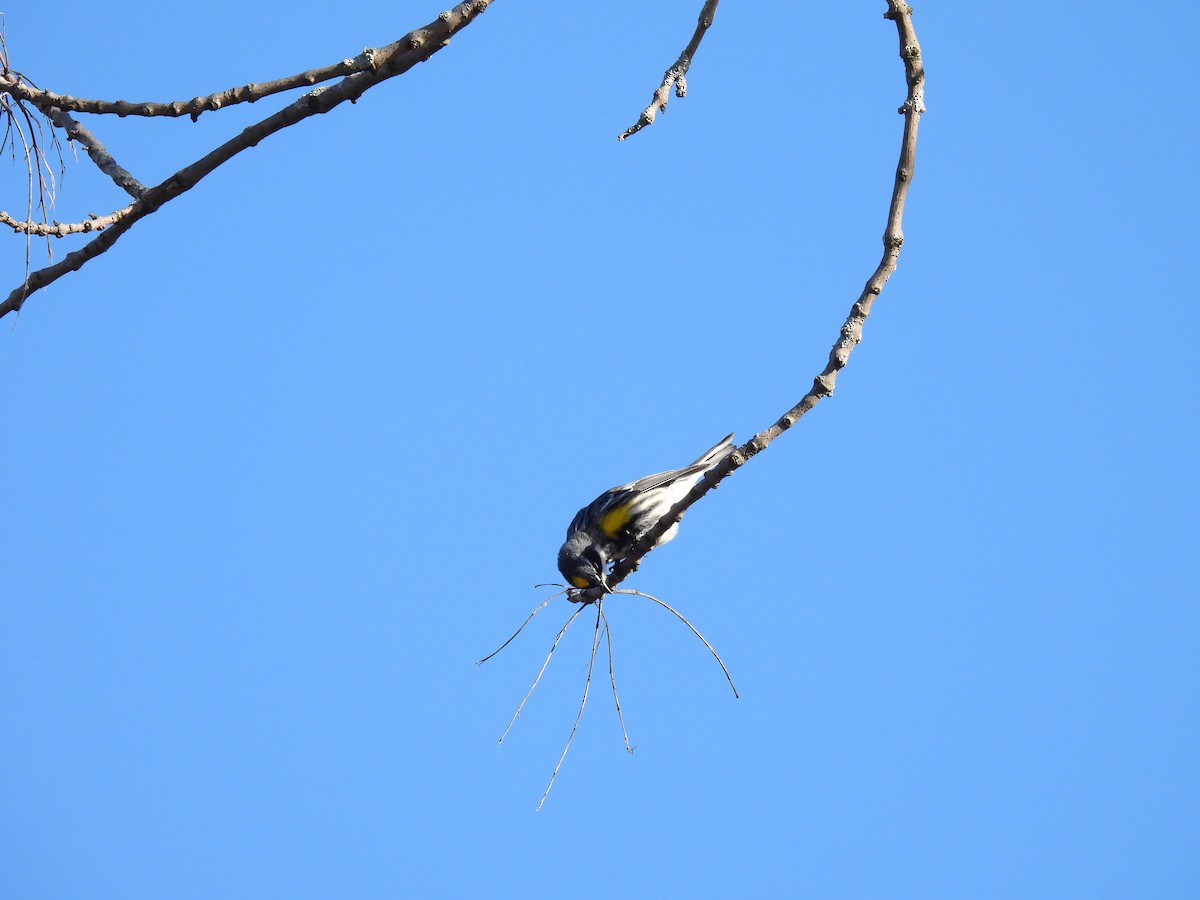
(614, 520)
(579, 581)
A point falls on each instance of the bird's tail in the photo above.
(715, 454)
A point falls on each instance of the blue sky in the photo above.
(290, 458)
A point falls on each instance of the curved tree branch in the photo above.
(851, 331)
(62, 229)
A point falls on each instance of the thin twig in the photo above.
(36, 158)
(582, 703)
(39, 174)
(675, 78)
(545, 662)
(62, 229)
(528, 619)
(612, 677)
(681, 618)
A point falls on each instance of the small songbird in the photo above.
(606, 529)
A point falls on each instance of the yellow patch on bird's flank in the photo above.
(614, 520)
(580, 582)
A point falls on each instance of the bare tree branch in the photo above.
(247, 93)
(851, 331)
(390, 61)
(676, 76)
(61, 229)
(99, 155)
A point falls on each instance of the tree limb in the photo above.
(96, 150)
(851, 331)
(12, 84)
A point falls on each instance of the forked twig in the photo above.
(601, 620)
(675, 78)
(582, 703)
(545, 662)
(680, 617)
(612, 677)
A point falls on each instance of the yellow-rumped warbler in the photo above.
(608, 527)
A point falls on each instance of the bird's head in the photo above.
(582, 562)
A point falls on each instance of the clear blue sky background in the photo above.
(289, 459)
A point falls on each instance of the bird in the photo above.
(606, 529)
